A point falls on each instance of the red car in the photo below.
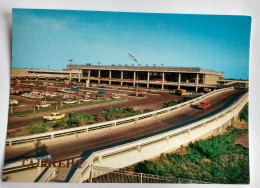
(204, 105)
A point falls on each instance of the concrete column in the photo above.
(122, 77)
(197, 82)
(148, 79)
(110, 77)
(70, 76)
(79, 75)
(179, 81)
(89, 74)
(98, 76)
(134, 78)
(163, 81)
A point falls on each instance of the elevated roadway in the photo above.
(86, 143)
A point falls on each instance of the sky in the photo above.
(47, 39)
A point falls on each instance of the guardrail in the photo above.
(221, 117)
(86, 128)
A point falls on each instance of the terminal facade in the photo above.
(142, 76)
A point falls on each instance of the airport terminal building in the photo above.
(191, 78)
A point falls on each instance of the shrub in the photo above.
(82, 118)
(62, 124)
(100, 117)
(37, 127)
(244, 114)
(171, 104)
(148, 110)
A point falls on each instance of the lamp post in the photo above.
(132, 57)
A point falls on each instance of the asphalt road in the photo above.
(136, 102)
(86, 143)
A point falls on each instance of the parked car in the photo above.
(67, 96)
(54, 116)
(116, 97)
(101, 92)
(203, 105)
(13, 102)
(86, 100)
(42, 105)
(70, 101)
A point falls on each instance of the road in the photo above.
(137, 102)
(86, 143)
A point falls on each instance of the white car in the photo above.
(67, 96)
(13, 102)
(70, 101)
(42, 105)
(25, 95)
(88, 93)
(86, 100)
(116, 97)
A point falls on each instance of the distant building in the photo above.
(150, 77)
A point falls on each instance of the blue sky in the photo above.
(49, 38)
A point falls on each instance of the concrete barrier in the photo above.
(86, 128)
(130, 153)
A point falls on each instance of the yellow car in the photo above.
(54, 116)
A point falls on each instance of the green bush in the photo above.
(82, 118)
(171, 104)
(62, 124)
(37, 127)
(100, 117)
(244, 114)
(148, 110)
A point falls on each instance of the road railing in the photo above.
(113, 123)
(221, 117)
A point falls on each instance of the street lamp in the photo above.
(132, 57)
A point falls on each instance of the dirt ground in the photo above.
(150, 101)
(24, 103)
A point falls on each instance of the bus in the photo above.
(181, 92)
